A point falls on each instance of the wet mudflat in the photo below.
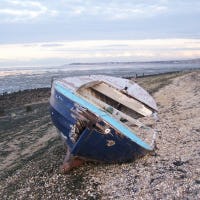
(31, 151)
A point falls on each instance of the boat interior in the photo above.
(131, 112)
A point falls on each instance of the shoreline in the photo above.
(127, 77)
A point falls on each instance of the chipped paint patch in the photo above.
(110, 143)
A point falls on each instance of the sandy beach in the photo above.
(31, 151)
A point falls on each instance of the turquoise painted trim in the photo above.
(122, 129)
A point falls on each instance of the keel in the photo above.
(71, 164)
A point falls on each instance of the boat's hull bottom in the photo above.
(71, 162)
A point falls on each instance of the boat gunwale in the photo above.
(105, 79)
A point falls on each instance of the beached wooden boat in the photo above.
(102, 118)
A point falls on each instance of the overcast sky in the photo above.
(50, 32)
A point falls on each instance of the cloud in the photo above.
(65, 10)
(99, 51)
(113, 10)
(125, 10)
(51, 45)
(46, 20)
(20, 11)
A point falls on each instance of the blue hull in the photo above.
(98, 140)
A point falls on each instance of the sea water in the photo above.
(22, 78)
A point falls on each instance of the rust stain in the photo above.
(110, 143)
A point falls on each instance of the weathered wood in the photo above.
(123, 99)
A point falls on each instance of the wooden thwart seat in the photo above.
(122, 99)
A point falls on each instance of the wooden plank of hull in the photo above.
(123, 99)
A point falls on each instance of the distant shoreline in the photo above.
(140, 62)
